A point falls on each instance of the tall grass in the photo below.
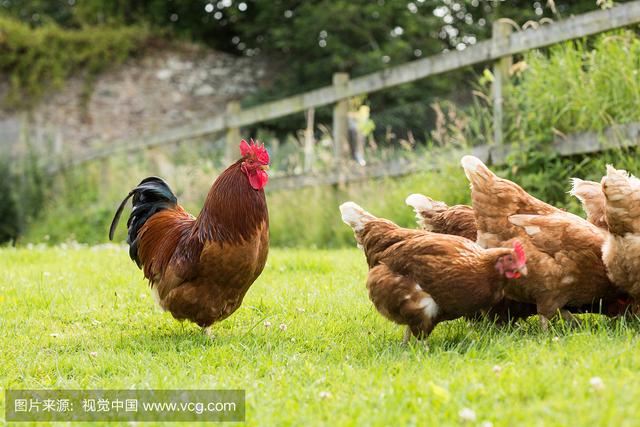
(576, 86)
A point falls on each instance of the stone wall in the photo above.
(160, 89)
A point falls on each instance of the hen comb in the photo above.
(519, 250)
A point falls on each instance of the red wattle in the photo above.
(258, 179)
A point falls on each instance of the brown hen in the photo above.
(564, 251)
(438, 217)
(419, 278)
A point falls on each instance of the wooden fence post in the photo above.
(340, 122)
(309, 140)
(501, 31)
(232, 150)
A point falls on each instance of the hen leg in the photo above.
(549, 308)
(544, 322)
(569, 317)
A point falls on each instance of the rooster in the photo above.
(564, 250)
(419, 278)
(201, 267)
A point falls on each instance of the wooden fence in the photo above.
(619, 136)
(498, 50)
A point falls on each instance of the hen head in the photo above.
(255, 163)
(513, 265)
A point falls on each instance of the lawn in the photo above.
(307, 346)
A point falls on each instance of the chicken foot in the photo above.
(207, 331)
(565, 314)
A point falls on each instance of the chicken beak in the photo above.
(264, 167)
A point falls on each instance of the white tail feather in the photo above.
(355, 216)
(474, 168)
(471, 163)
(419, 202)
(612, 171)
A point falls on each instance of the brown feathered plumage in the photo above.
(419, 278)
(438, 217)
(564, 251)
(201, 268)
(621, 252)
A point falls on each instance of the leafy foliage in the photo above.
(37, 58)
(538, 108)
(584, 85)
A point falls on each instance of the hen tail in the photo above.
(477, 172)
(355, 216)
(622, 207)
(425, 209)
(151, 196)
(618, 184)
(592, 198)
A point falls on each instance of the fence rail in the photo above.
(502, 45)
(620, 136)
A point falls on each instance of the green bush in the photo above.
(576, 86)
(35, 59)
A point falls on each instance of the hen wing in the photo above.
(567, 256)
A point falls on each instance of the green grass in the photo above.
(59, 305)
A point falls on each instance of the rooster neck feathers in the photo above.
(233, 210)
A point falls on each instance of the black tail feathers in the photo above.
(152, 195)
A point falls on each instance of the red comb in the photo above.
(257, 150)
(519, 250)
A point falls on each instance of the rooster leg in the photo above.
(407, 336)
